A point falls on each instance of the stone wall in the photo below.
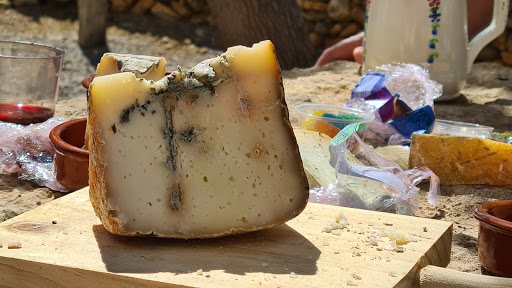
(327, 21)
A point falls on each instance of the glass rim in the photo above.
(59, 52)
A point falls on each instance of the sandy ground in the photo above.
(486, 99)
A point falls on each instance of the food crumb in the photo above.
(207, 275)
(356, 276)
(388, 259)
(425, 229)
(293, 275)
(14, 245)
(351, 283)
(200, 272)
(373, 241)
(340, 217)
(392, 274)
(336, 252)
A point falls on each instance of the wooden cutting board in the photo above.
(63, 244)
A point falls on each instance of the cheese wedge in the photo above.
(200, 153)
(147, 67)
(463, 160)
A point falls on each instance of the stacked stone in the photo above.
(329, 21)
(195, 11)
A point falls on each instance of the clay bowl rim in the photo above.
(481, 213)
(63, 146)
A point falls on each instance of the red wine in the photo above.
(24, 114)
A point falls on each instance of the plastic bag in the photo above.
(402, 97)
(26, 151)
(373, 183)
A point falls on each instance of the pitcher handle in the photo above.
(491, 32)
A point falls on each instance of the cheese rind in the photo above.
(463, 160)
(147, 67)
(200, 153)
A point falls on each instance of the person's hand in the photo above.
(347, 49)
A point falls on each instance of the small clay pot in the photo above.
(495, 237)
(87, 81)
(71, 160)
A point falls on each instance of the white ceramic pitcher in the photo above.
(430, 32)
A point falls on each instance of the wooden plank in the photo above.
(77, 251)
(92, 16)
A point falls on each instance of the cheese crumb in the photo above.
(337, 232)
(14, 245)
(200, 272)
(340, 217)
(293, 275)
(400, 237)
(356, 276)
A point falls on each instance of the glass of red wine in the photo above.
(29, 81)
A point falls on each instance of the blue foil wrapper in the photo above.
(368, 85)
(419, 121)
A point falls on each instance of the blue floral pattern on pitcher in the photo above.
(435, 17)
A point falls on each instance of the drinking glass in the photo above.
(29, 81)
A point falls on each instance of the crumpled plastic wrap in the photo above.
(378, 184)
(26, 151)
(412, 82)
(401, 96)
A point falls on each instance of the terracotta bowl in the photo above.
(87, 81)
(71, 161)
(495, 237)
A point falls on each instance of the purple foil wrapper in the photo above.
(383, 100)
